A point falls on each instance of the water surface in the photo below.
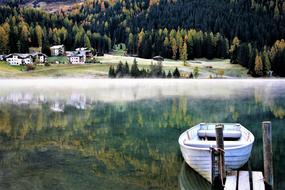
(122, 134)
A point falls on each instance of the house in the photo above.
(2, 57)
(76, 57)
(19, 59)
(39, 57)
(57, 50)
(87, 52)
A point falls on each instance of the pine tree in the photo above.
(169, 75)
(176, 73)
(120, 70)
(266, 62)
(112, 73)
(127, 69)
(135, 72)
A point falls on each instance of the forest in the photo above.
(250, 33)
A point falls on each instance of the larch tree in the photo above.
(233, 50)
(131, 43)
(39, 35)
(258, 69)
(140, 39)
(174, 48)
(184, 53)
(4, 40)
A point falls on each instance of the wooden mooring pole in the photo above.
(220, 178)
(267, 153)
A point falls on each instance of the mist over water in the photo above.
(118, 134)
(112, 90)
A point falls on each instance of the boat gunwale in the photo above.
(208, 149)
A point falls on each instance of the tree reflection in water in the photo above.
(124, 136)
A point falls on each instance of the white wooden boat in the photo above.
(196, 144)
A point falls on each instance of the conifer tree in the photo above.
(135, 72)
(183, 53)
(176, 73)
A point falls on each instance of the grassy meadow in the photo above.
(207, 68)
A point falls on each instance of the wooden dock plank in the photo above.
(258, 181)
(244, 183)
(231, 181)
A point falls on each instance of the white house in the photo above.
(1, 57)
(57, 50)
(19, 59)
(76, 57)
(87, 51)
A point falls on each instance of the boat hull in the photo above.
(200, 159)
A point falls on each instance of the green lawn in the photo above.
(6, 67)
(59, 59)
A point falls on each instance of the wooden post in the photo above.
(220, 153)
(267, 153)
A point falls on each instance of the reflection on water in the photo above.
(122, 134)
(190, 180)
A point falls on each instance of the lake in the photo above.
(122, 134)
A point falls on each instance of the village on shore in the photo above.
(87, 62)
(35, 56)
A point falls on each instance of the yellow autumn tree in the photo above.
(258, 68)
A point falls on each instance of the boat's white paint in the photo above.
(200, 158)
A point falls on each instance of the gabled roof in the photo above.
(20, 55)
(56, 46)
(76, 54)
(38, 54)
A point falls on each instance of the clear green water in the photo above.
(122, 134)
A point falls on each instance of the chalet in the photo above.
(76, 57)
(19, 59)
(57, 50)
(87, 52)
(39, 57)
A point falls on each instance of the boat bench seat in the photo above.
(208, 144)
(235, 134)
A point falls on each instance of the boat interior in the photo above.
(204, 136)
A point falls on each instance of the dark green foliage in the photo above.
(112, 73)
(207, 27)
(135, 72)
(120, 70)
(176, 73)
(169, 74)
(127, 69)
(156, 70)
